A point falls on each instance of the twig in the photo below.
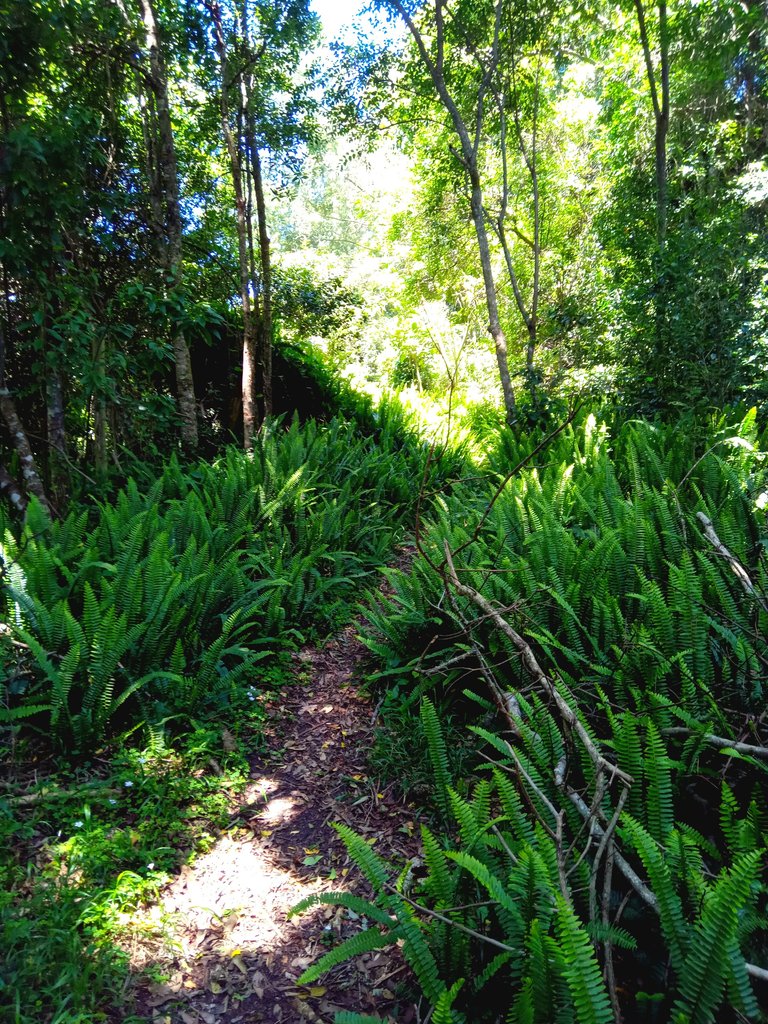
(455, 924)
(545, 441)
(57, 794)
(567, 713)
(738, 569)
(622, 864)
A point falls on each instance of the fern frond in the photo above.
(359, 905)
(582, 972)
(356, 945)
(371, 865)
(438, 753)
(704, 971)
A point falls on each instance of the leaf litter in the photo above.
(223, 948)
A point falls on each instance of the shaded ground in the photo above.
(219, 943)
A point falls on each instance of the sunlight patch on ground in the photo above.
(235, 895)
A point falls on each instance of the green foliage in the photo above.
(76, 863)
(438, 754)
(177, 595)
(597, 557)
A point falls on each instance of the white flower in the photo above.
(112, 801)
(151, 866)
(78, 824)
(128, 784)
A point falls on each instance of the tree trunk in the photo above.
(662, 130)
(468, 157)
(491, 298)
(57, 438)
(168, 174)
(658, 83)
(265, 324)
(32, 479)
(9, 488)
(249, 325)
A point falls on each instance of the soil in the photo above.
(220, 939)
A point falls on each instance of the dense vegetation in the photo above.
(617, 662)
(223, 239)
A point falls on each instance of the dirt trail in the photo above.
(229, 953)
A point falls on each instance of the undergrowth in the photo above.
(160, 604)
(609, 662)
(140, 639)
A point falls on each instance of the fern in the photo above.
(712, 950)
(673, 923)
(590, 998)
(372, 866)
(347, 1017)
(438, 754)
(359, 905)
(364, 942)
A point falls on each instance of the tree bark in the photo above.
(32, 480)
(491, 297)
(468, 157)
(265, 258)
(172, 228)
(658, 83)
(57, 438)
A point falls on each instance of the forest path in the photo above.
(229, 953)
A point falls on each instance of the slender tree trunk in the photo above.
(168, 173)
(491, 297)
(57, 438)
(32, 479)
(250, 422)
(468, 157)
(662, 130)
(658, 83)
(265, 323)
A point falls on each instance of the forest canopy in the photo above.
(577, 202)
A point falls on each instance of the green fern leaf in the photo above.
(582, 972)
(363, 942)
(359, 905)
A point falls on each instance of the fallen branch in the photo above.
(737, 568)
(456, 924)
(718, 741)
(535, 670)
(27, 799)
(603, 833)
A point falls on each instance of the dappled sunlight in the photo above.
(234, 897)
(219, 945)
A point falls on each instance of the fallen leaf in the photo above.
(240, 964)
